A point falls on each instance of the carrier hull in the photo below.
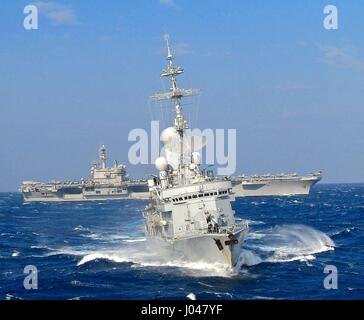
(54, 193)
(275, 186)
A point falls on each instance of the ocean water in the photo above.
(98, 250)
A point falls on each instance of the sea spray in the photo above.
(278, 244)
(290, 242)
(141, 258)
(247, 258)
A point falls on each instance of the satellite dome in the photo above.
(161, 164)
(196, 158)
(168, 134)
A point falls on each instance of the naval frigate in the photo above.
(274, 185)
(190, 212)
(105, 183)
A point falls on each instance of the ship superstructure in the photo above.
(105, 183)
(190, 213)
(274, 185)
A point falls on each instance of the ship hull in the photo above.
(72, 198)
(204, 248)
(77, 194)
(274, 187)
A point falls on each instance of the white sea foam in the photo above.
(263, 298)
(99, 255)
(345, 230)
(105, 236)
(135, 240)
(292, 242)
(191, 296)
(142, 258)
(247, 258)
(220, 294)
(80, 228)
(254, 235)
(197, 268)
(6, 234)
(254, 222)
(9, 296)
(276, 245)
(15, 254)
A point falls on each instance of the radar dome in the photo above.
(196, 158)
(161, 164)
(168, 134)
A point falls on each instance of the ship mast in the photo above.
(175, 94)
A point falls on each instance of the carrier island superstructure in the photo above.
(190, 213)
(274, 185)
(105, 183)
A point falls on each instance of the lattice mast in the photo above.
(175, 94)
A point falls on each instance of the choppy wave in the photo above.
(342, 231)
(71, 247)
(135, 240)
(15, 254)
(141, 259)
(280, 244)
(254, 222)
(106, 236)
(291, 242)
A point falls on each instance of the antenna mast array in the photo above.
(175, 94)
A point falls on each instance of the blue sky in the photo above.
(293, 90)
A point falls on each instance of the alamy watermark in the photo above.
(219, 146)
(30, 21)
(31, 280)
(331, 19)
(331, 280)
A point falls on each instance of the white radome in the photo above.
(161, 164)
(196, 158)
(169, 134)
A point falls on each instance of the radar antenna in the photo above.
(175, 94)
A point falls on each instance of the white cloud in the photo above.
(182, 49)
(168, 3)
(341, 57)
(56, 13)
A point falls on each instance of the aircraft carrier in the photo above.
(274, 185)
(106, 183)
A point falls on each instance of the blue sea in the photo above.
(98, 251)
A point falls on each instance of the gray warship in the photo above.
(190, 213)
(274, 185)
(106, 183)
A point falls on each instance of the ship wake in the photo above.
(278, 244)
(284, 243)
(140, 255)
